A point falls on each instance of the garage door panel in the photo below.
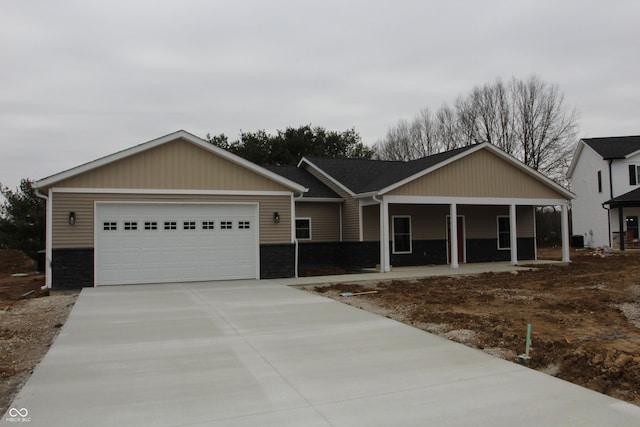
(148, 243)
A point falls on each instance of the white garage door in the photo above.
(166, 242)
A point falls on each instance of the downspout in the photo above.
(48, 238)
(610, 197)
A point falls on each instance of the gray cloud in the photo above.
(82, 79)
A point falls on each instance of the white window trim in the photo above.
(310, 229)
(393, 233)
(498, 232)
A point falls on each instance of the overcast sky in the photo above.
(81, 79)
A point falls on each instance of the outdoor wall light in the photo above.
(276, 217)
(72, 218)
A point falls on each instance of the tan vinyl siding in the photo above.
(175, 165)
(482, 221)
(80, 235)
(480, 174)
(427, 221)
(350, 209)
(371, 223)
(325, 220)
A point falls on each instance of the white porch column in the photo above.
(513, 234)
(564, 210)
(453, 234)
(384, 218)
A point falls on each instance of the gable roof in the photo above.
(617, 147)
(181, 134)
(317, 189)
(365, 176)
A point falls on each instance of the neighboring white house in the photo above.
(605, 176)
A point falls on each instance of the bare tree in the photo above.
(526, 118)
(544, 128)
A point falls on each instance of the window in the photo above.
(244, 225)
(110, 226)
(633, 175)
(150, 225)
(208, 225)
(189, 225)
(130, 225)
(401, 234)
(303, 228)
(504, 232)
(170, 225)
(226, 225)
(599, 181)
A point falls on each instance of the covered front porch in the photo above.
(418, 230)
(624, 212)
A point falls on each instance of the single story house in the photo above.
(178, 208)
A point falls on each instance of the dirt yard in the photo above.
(585, 317)
(29, 321)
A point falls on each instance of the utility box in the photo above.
(577, 242)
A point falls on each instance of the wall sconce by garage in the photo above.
(72, 218)
(276, 217)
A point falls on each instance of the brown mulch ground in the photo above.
(585, 317)
(29, 321)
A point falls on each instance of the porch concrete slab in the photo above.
(246, 353)
(419, 272)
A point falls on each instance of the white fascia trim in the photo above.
(326, 175)
(46, 182)
(574, 159)
(444, 200)
(320, 199)
(169, 191)
(630, 155)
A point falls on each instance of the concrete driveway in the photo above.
(257, 353)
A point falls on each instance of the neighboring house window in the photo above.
(504, 232)
(401, 234)
(303, 228)
(633, 175)
(599, 181)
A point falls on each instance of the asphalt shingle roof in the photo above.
(630, 198)
(363, 176)
(316, 188)
(616, 147)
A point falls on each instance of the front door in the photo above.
(460, 239)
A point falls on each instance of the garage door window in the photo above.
(189, 225)
(244, 225)
(170, 225)
(208, 225)
(226, 225)
(150, 225)
(130, 225)
(110, 226)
